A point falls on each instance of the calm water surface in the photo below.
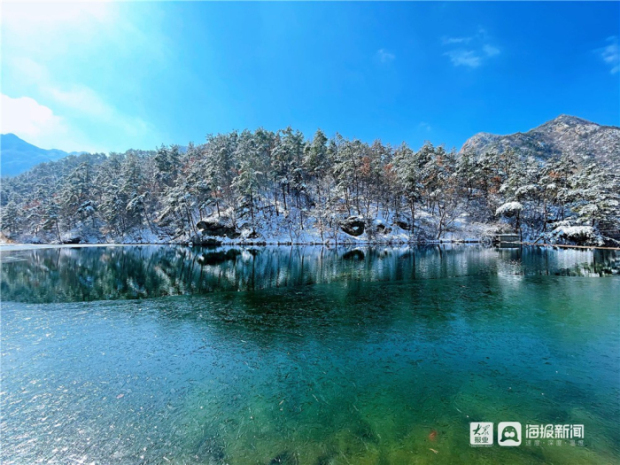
(306, 355)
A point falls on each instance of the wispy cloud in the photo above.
(384, 56)
(86, 101)
(424, 126)
(456, 40)
(73, 102)
(464, 58)
(611, 54)
(490, 51)
(470, 51)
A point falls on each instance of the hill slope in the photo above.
(565, 134)
(18, 156)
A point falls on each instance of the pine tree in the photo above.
(594, 197)
(10, 218)
(409, 176)
(247, 188)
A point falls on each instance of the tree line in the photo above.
(250, 179)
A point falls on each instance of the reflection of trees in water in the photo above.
(84, 274)
(570, 262)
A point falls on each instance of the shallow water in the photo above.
(309, 356)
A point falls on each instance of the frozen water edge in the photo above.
(19, 247)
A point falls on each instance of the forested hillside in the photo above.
(279, 186)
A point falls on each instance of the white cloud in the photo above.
(25, 19)
(82, 99)
(490, 51)
(37, 124)
(26, 117)
(77, 102)
(478, 49)
(464, 58)
(384, 56)
(611, 54)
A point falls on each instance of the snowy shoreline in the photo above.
(18, 246)
(4, 247)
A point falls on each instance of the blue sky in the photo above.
(113, 76)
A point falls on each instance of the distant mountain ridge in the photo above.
(565, 134)
(18, 156)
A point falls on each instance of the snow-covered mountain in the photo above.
(18, 156)
(565, 134)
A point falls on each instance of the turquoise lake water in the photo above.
(157, 355)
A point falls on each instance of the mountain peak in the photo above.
(10, 138)
(568, 120)
(564, 135)
(19, 156)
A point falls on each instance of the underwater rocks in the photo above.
(211, 451)
(285, 458)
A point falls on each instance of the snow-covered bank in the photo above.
(280, 230)
(19, 247)
(275, 231)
